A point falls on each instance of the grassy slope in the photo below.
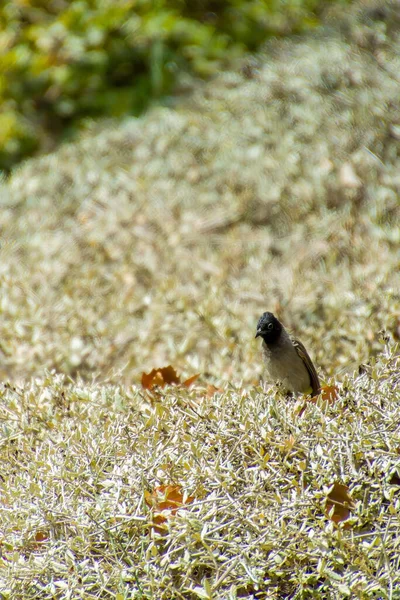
(162, 240)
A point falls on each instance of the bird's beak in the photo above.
(258, 333)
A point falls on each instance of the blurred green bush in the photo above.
(63, 61)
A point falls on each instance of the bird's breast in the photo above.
(285, 365)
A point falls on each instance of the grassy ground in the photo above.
(161, 241)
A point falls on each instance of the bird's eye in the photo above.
(270, 326)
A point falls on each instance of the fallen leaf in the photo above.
(160, 377)
(167, 498)
(41, 536)
(37, 540)
(329, 393)
(165, 376)
(191, 380)
(338, 503)
(164, 501)
(211, 390)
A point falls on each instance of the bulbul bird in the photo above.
(286, 359)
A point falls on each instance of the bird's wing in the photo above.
(302, 352)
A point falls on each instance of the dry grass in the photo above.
(161, 240)
(81, 457)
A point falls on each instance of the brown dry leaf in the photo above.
(329, 393)
(191, 380)
(160, 377)
(338, 503)
(41, 536)
(37, 541)
(211, 390)
(165, 376)
(167, 498)
(164, 501)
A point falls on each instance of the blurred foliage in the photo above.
(63, 61)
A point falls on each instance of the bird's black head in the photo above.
(269, 328)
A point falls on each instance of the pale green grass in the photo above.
(80, 457)
(161, 240)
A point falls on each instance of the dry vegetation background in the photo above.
(161, 240)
